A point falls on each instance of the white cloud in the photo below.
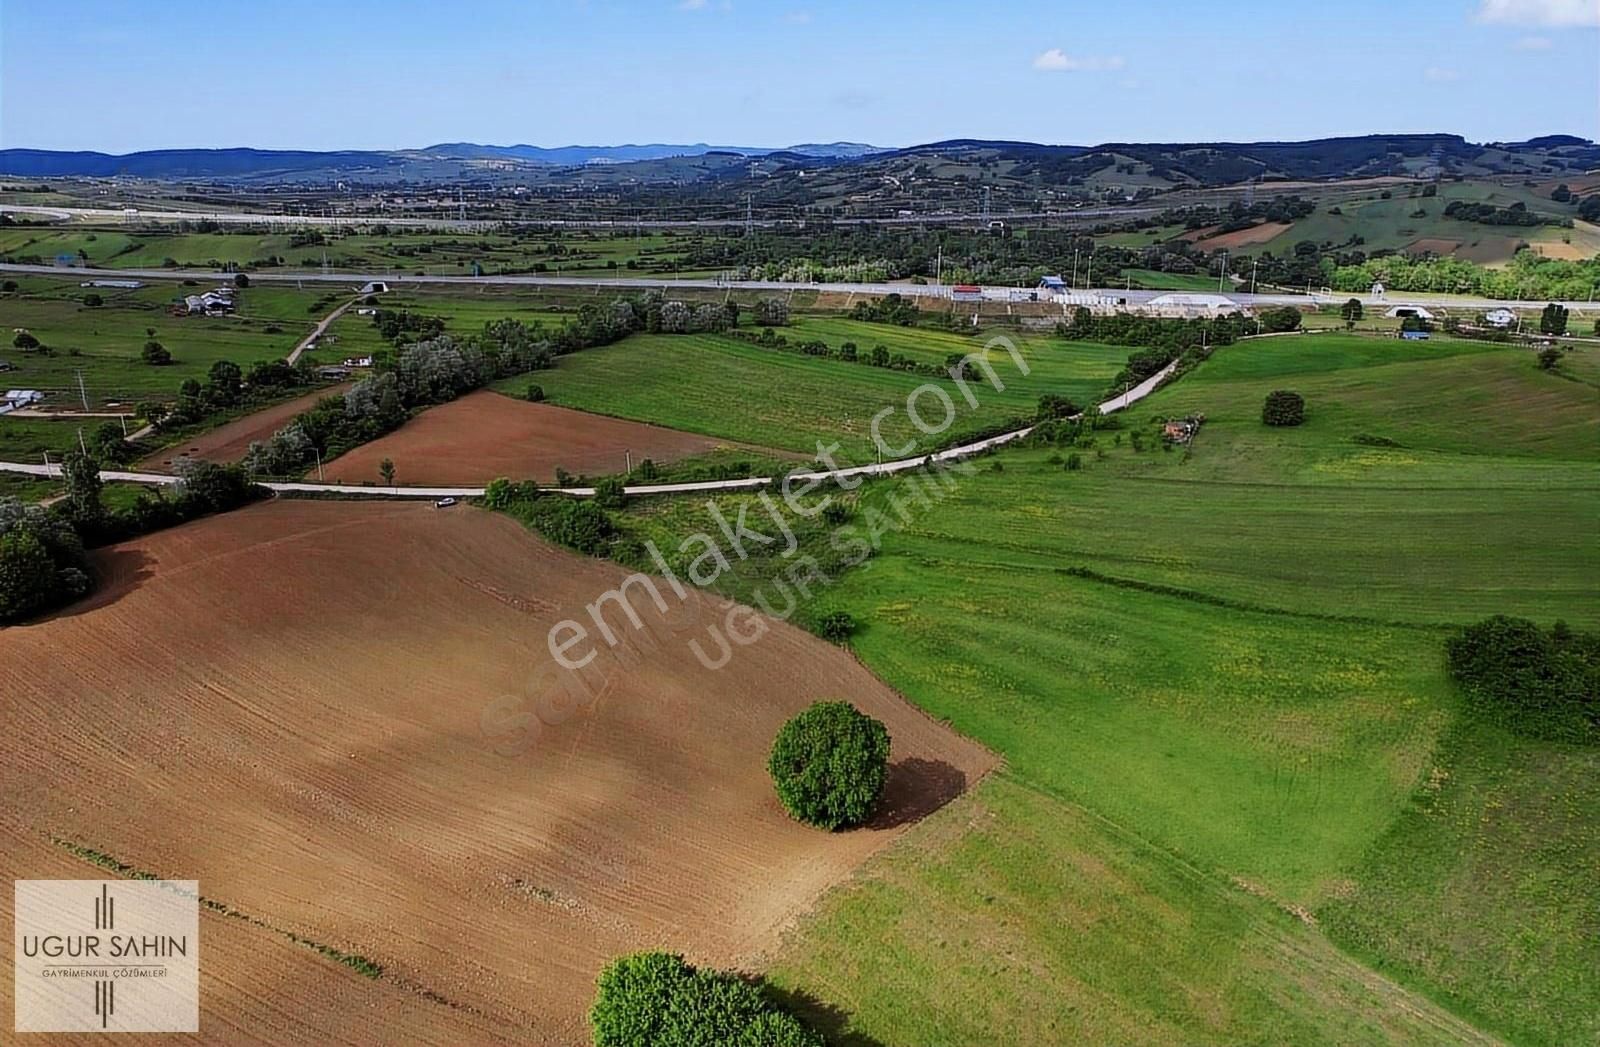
(1532, 43)
(1437, 75)
(1057, 60)
(1552, 13)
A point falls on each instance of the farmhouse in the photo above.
(1401, 311)
(1501, 317)
(22, 397)
(1052, 284)
(215, 302)
(125, 285)
(358, 361)
(373, 287)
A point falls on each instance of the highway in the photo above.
(639, 283)
(1138, 392)
(127, 215)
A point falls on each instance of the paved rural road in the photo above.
(1117, 403)
(631, 283)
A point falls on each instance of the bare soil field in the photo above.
(337, 718)
(256, 986)
(1433, 245)
(484, 435)
(1256, 234)
(228, 443)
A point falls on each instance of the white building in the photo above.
(22, 397)
(1185, 304)
(1409, 310)
(1501, 317)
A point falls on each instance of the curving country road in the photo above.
(636, 283)
(1117, 403)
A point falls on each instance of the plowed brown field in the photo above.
(228, 443)
(305, 707)
(484, 435)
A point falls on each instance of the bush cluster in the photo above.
(1545, 684)
(1283, 407)
(657, 999)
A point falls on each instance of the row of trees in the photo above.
(42, 551)
(1528, 275)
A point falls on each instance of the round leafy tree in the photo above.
(829, 764)
(1283, 408)
(656, 999)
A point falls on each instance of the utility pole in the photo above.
(1222, 274)
(1088, 281)
(83, 394)
(1253, 267)
(81, 445)
(1074, 283)
(938, 268)
(749, 213)
(318, 452)
(627, 461)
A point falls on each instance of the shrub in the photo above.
(25, 340)
(503, 493)
(1283, 318)
(241, 280)
(1283, 407)
(535, 393)
(657, 999)
(1074, 463)
(608, 493)
(1546, 685)
(93, 301)
(8, 286)
(155, 354)
(828, 765)
(836, 626)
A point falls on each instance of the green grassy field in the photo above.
(431, 253)
(1217, 682)
(103, 342)
(702, 383)
(1154, 280)
(1390, 223)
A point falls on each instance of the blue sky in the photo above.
(357, 74)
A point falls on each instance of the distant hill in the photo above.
(586, 154)
(854, 167)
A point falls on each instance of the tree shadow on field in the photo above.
(915, 789)
(832, 1022)
(116, 573)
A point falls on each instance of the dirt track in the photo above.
(484, 435)
(228, 443)
(302, 706)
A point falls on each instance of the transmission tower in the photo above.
(749, 214)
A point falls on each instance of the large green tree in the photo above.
(829, 764)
